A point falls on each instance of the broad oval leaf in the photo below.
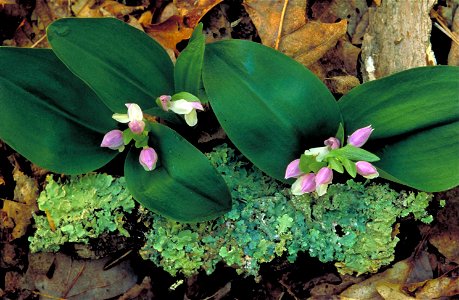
(427, 161)
(271, 107)
(49, 115)
(184, 186)
(415, 113)
(404, 102)
(122, 64)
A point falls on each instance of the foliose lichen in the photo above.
(81, 208)
(352, 225)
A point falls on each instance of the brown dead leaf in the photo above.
(2, 181)
(453, 56)
(266, 15)
(392, 291)
(77, 279)
(437, 288)
(179, 27)
(142, 289)
(17, 214)
(116, 9)
(342, 84)
(447, 243)
(336, 10)
(169, 32)
(7, 2)
(368, 288)
(192, 11)
(312, 41)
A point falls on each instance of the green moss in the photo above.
(83, 207)
(351, 225)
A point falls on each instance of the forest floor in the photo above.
(331, 34)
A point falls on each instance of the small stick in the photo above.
(279, 31)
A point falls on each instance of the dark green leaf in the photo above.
(271, 107)
(427, 161)
(353, 153)
(49, 115)
(121, 63)
(404, 102)
(188, 68)
(184, 186)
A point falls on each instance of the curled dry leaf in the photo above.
(180, 27)
(436, 288)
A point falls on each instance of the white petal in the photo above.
(181, 107)
(319, 152)
(134, 112)
(321, 189)
(192, 118)
(296, 187)
(122, 118)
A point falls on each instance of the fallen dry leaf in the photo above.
(312, 41)
(437, 288)
(447, 243)
(170, 32)
(342, 84)
(77, 279)
(179, 27)
(367, 289)
(17, 214)
(391, 291)
(453, 56)
(267, 15)
(336, 10)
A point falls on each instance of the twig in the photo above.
(443, 27)
(281, 23)
(74, 281)
(38, 42)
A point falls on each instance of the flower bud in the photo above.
(113, 140)
(164, 102)
(332, 142)
(360, 136)
(137, 127)
(148, 158)
(324, 176)
(293, 169)
(366, 169)
(304, 184)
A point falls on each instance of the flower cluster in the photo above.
(182, 103)
(117, 139)
(314, 169)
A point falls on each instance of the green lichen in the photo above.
(84, 207)
(351, 225)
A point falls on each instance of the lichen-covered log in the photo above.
(397, 37)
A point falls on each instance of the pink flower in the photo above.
(323, 178)
(113, 140)
(366, 169)
(304, 184)
(332, 142)
(360, 136)
(293, 169)
(148, 158)
(134, 117)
